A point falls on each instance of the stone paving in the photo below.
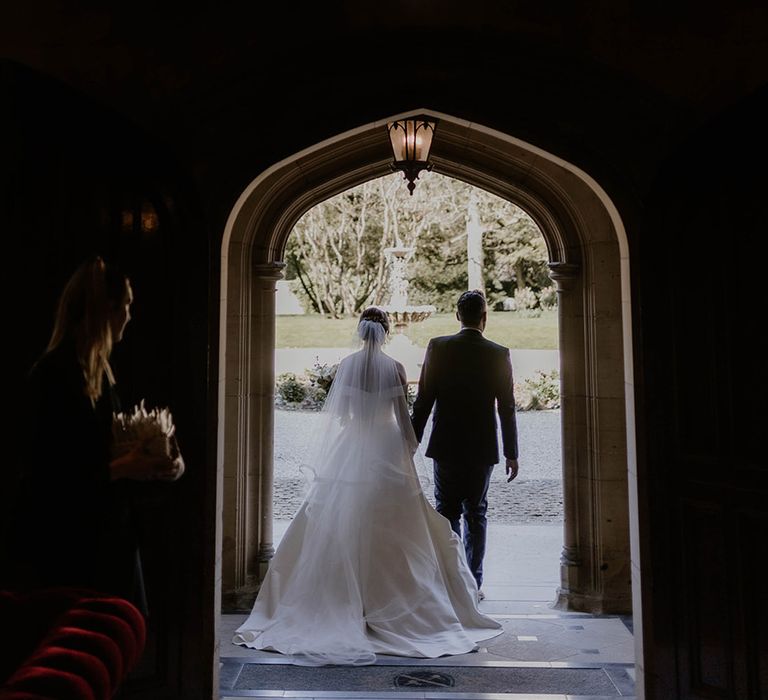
(535, 497)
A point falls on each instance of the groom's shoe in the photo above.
(480, 595)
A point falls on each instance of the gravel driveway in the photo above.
(536, 496)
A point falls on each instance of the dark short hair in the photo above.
(374, 313)
(471, 306)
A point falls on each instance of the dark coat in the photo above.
(468, 379)
(72, 525)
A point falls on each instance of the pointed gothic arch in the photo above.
(589, 262)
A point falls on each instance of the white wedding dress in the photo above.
(367, 566)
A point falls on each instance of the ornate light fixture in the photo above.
(411, 140)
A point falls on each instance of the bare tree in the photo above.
(336, 251)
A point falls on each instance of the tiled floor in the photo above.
(521, 579)
(543, 638)
(415, 695)
(423, 696)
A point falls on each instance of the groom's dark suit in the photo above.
(468, 379)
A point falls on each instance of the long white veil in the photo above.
(367, 397)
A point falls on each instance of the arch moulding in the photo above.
(589, 263)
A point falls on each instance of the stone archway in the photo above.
(589, 263)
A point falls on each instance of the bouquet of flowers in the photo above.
(153, 429)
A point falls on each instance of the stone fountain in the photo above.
(403, 314)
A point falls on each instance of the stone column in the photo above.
(570, 331)
(261, 420)
(594, 565)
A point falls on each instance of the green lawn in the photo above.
(507, 328)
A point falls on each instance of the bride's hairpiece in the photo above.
(371, 331)
(376, 313)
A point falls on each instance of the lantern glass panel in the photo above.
(411, 139)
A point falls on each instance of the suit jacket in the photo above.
(468, 379)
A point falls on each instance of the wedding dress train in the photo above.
(367, 566)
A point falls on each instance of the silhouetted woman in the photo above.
(73, 522)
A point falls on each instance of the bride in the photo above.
(367, 566)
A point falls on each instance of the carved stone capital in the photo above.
(564, 274)
(271, 271)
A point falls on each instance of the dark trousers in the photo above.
(462, 490)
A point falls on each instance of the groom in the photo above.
(468, 379)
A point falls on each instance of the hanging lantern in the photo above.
(411, 140)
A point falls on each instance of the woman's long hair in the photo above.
(84, 314)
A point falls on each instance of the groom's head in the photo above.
(471, 309)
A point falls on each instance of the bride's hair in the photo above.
(374, 313)
(373, 327)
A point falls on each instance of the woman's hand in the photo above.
(174, 472)
(177, 462)
(138, 465)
